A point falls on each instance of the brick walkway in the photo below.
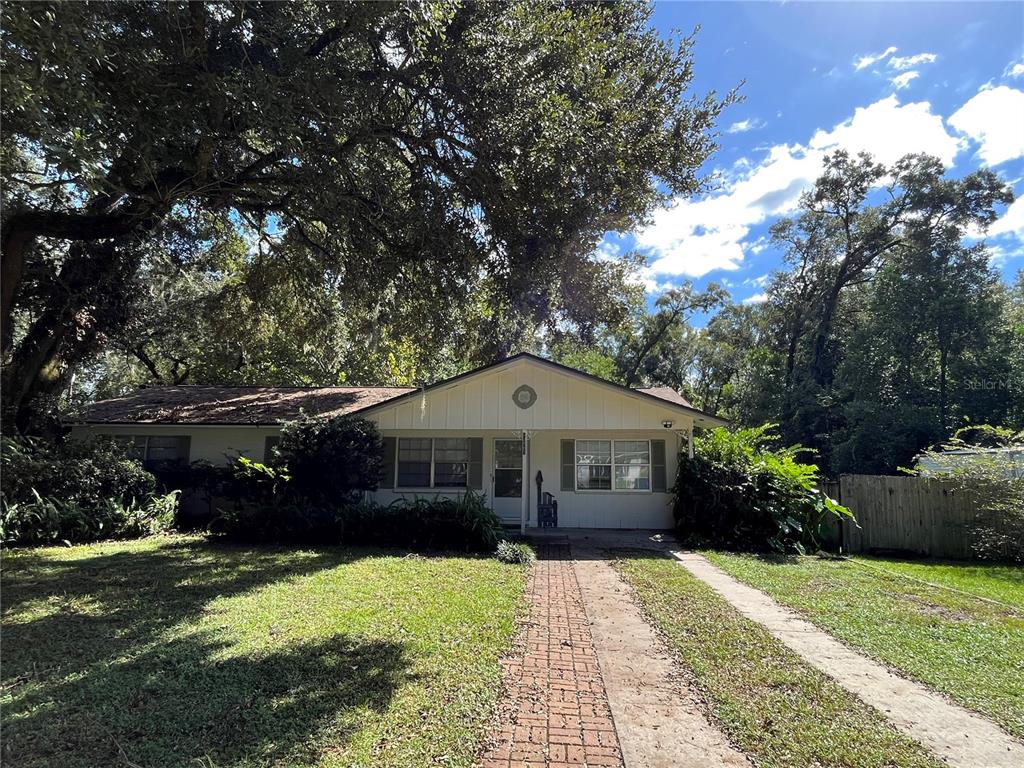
(555, 711)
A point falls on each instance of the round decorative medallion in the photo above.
(524, 396)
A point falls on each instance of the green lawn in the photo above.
(775, 707)
(968, 648)
(1003, 583)
(175, 652)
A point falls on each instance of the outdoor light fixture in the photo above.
(667, 423)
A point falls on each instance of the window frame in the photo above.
(612, 489)
(140, 443)
(433, 464)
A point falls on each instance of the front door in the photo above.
(508, 480)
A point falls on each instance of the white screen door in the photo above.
(508, 480)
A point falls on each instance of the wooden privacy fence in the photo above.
(910, 514)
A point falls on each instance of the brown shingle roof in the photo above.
(666, 393)
(206, 404)
(201, 404)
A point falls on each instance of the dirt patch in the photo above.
(928, 608)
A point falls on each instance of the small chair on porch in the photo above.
(547, 511)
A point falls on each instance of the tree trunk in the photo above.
(16, 243)
(86, 297)
(943, 367)
(819, 374)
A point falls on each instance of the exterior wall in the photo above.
(576, 509)
(567, 407)
(215, 444)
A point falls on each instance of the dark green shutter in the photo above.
(476, 463)
(658, 471)
(387, 479)
(184, 448)
(568, 465)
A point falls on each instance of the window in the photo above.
(621, 465)
(632, 461)
(594, 465)
(433, 462)
(414, 459)
(426, 462)
(156, 451)
(451, 462)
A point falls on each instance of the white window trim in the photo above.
(433, 462)
(576, 465)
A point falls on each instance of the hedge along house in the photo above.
(510, 430)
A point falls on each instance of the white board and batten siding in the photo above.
(567, 407)
(564, 402)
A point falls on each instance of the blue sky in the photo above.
(891, 78)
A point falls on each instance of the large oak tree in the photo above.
(406, 149)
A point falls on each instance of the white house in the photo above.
(607, 453)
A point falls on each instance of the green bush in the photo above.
(331, 460)
(738, 492)
(260, 503)
(463, 523)
(515, 552)
(77, 491)
(994, 477)
(310, 493)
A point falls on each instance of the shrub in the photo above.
(77, 491)
(515, 553)
(259, 503)
(86, 471)
(331, 460)
(995, 479)
(441, 522)
(738, 492)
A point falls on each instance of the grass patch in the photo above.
(1003, 583)
(173, 652)
(970, 649)
(775, 707)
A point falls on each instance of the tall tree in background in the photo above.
(412, 153)
(640, 356)
(837, 245)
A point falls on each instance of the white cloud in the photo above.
(1000, 255)
(757, 298)
(901, 81)
(889, 130)
(906, 62)
(695, 237)
(608, 251)
(868, 59)
(743, 126)
(1014, 69)
(760, 281)
(993, 118)
(1011, 222)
